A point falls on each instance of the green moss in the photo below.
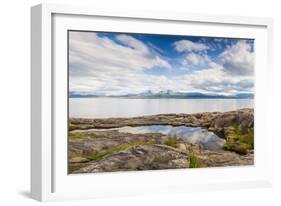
(171, 141)
(112, 149)
(249, 139)
(194, 161)
(238, 148)
(239, 142)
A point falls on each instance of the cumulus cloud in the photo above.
(195, 52)
(195, 59)
(238, 59)
(95, 62)
(137, 45)
(231, 73)
(216, 80)
(188, 46)
(118, 64)
(93, 53)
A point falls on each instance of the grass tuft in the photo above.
(171, 141)
(194, 161)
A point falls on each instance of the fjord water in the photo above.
(128, 107)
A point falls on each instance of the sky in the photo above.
(102, 63)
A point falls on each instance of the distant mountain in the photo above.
(187, 95)
(81, 95)
(245, 96)
(170, 94)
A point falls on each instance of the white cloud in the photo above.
(215, 80)
(231, 73)
(101, 64)
(238, 59)
(195, 59)
(137, 45)
(188, 46)
(98, 64)
(93, 54)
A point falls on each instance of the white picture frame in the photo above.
(49, 179)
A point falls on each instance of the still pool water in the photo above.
(195, 135)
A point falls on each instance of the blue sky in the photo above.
(119, 63)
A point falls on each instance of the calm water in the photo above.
(195, 135)
(124, 107)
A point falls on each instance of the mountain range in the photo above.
(168, 94)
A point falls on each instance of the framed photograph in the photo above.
(136, 102)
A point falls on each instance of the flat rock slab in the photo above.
(156, 157)
(213, 121)
(91, 151)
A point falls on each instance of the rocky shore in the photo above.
(110, 150)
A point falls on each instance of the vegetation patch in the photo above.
(112, 149)
(239, 142)
(194, 162)
(171, 141)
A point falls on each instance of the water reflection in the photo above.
(195, 135)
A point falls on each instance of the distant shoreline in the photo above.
(166, 95)
(108, 97)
